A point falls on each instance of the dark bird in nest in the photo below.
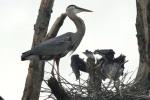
(77, 65)
(111, 67)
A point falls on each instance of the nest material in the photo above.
(129, 91)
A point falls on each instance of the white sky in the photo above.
(111, 25)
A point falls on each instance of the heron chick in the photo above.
(60, 46)
(107, 54)
(77, 65)
(89, 54)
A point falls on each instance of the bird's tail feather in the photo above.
(25, 55)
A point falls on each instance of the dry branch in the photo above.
(56, 26)
(57, 90)
(36, 67)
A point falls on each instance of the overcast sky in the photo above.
(111, 25)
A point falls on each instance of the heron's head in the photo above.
(89, 54)
(76, 9)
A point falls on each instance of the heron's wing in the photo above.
(54, 46)
(75, 67)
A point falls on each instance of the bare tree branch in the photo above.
(56, 26)
(36, 67)
(57, 90)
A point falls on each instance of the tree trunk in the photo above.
(58, 90)
(36, 67)
(143, 37)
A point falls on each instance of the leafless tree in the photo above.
(143, 38)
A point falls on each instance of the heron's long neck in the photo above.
(78, 22)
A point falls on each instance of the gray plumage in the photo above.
(58, 47)
(111, 67)
(77, 65)
(55, 47)
(107, 54)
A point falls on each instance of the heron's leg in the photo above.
(58, 74)
(80, 84)
(117, 85)
(52, 72)
(109, 83)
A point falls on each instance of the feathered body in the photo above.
(111, 67)
(58, 47)
(52, 48)
(78, 65)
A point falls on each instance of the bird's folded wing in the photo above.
(53, 47)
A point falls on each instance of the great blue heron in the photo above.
(79, 64)
(89, 54)
(59, 46)
(90, 61)
(110, 67)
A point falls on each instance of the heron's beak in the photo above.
(84, 10)
(84, 52)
